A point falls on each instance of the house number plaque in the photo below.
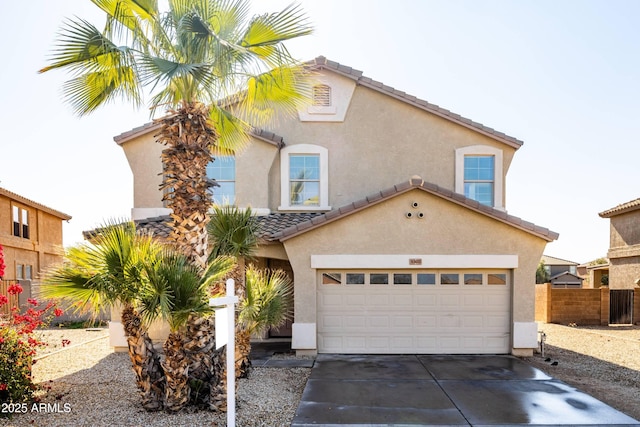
(415, 261)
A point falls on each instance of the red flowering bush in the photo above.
(2, 265)
(18, 345)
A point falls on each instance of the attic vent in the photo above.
(321, 96)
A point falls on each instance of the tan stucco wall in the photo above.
(252, 170)
(623, 272)
(447, 229)
(625, 230)
(143, 154)
(393, 139)
(624, 250)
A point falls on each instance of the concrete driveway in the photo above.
(390, 390)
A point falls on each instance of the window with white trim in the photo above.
(304, 178)
(223, 170)
(479, 178)
(479, 174)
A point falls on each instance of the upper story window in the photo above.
(20, 222)
(304, 178)
(321, 96)
(479, 178)
(479, 174)
(223, 170)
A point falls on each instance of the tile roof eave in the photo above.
(31, 203)
(261, 134)
(630, 206)
(513, 221)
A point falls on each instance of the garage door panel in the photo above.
(424, 301)
(378, 300)
(356, 300)
(402, 322)
(355, 321)
(428, 319)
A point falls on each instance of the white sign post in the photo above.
(226, 334)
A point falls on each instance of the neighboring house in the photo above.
(554, 266)
(31, 234)
(390, 213)
(566, 280)
(624, 245)
(595, 275)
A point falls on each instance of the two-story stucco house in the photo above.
(624, 244)
(31, 235)
(390, 213)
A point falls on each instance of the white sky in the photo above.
(563, 76)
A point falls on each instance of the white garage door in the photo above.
(423, 312)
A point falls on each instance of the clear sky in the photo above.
(561, 75)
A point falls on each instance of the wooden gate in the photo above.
(621, 306)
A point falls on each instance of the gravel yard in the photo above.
(93, 386)
(599, 360)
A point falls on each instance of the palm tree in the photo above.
(233, 232)
(267, 303)
(177, 293)
(215, 71)
(109, 271)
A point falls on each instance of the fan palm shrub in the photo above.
(268, 303)
(108, 271)
(233, 232)
(177, 292)
(215, 71)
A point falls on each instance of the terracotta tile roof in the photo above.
(28, 202)
(268, 225)
(274, 223)
(415, 183)
(622, 208)
(323, 63)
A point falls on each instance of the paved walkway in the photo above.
(394, 390)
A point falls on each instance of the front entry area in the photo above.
(414, 311)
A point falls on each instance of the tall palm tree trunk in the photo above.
(189, 137)
(145, 360)
(176, 369)
(199, 344)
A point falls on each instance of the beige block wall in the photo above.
(447, 229)
(383, 142)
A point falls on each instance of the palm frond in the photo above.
(175, 289)
(268, 300)
(232, 232)
(274, 28)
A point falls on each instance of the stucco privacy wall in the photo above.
(446, 229)
(380, 131)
